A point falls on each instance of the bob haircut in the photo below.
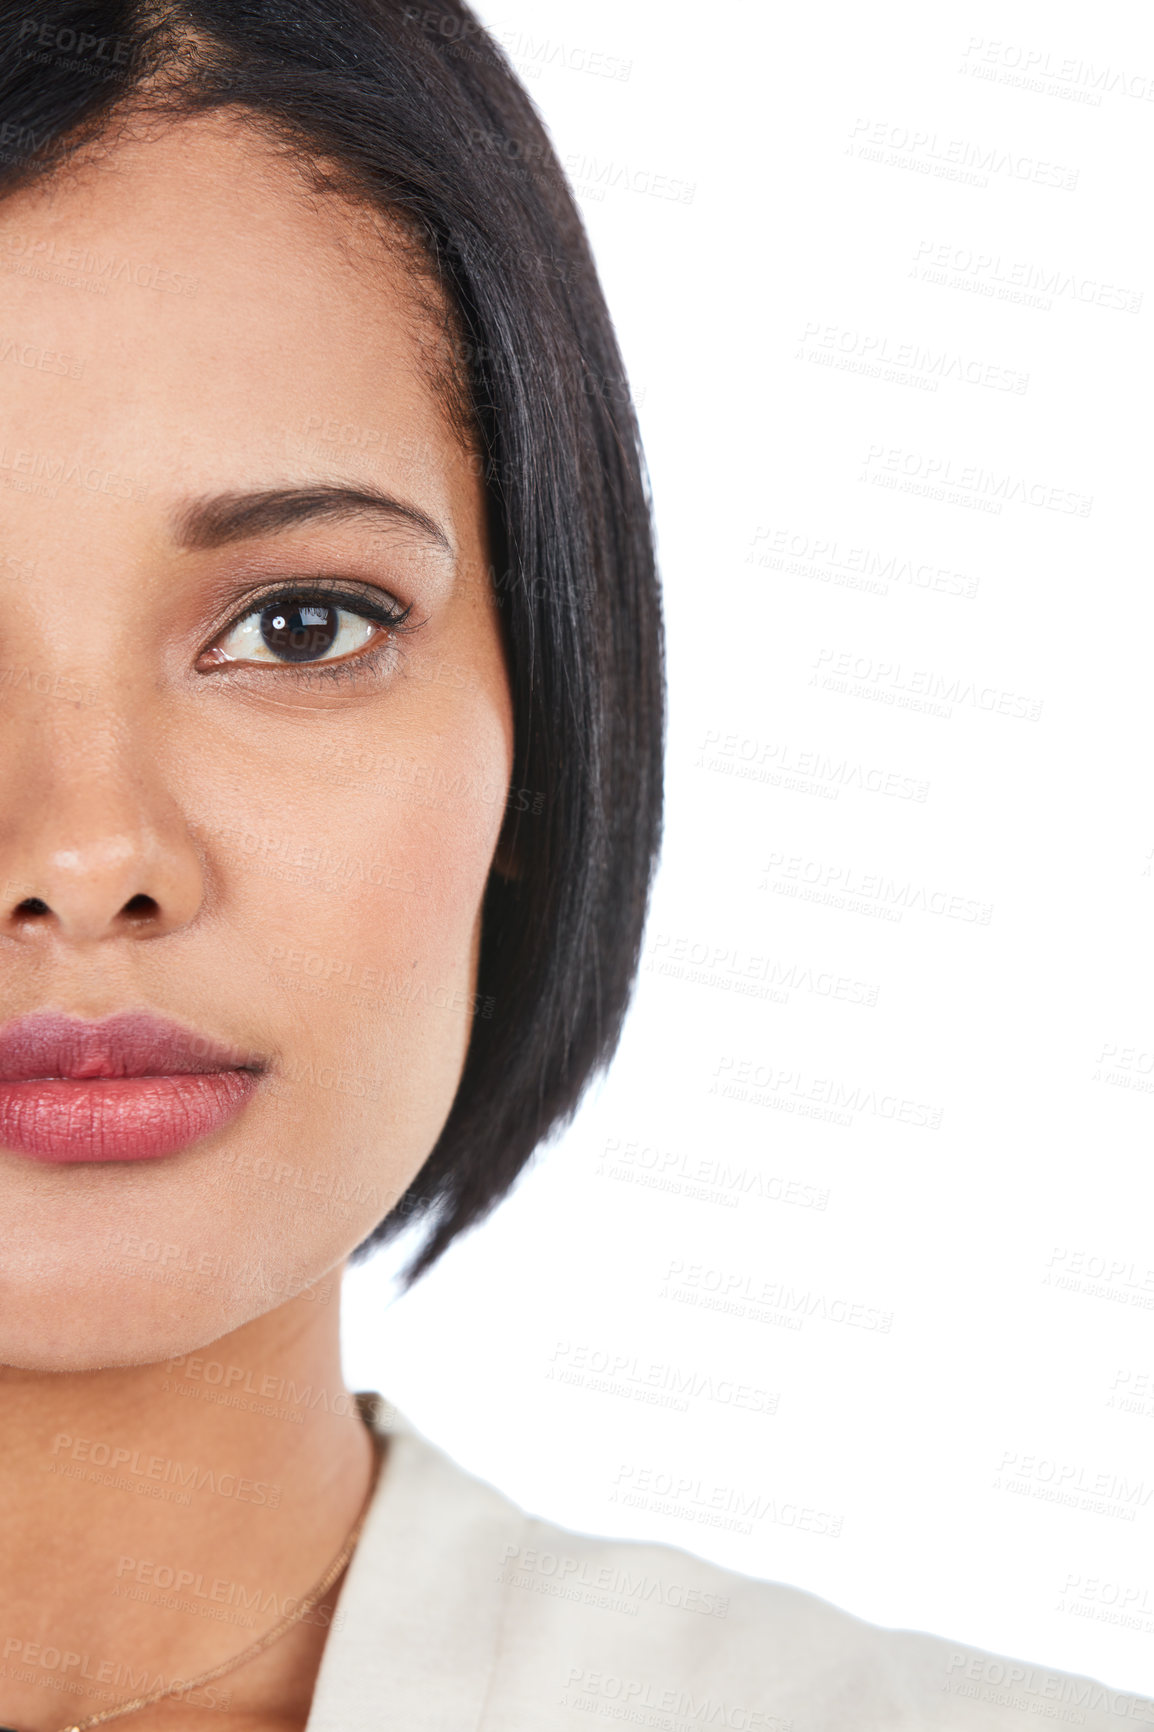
(413, 110)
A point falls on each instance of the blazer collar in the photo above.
(416, 1629)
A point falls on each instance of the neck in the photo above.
(159, 1518)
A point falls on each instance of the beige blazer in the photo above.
(460, 1613)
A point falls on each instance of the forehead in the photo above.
(184, 307)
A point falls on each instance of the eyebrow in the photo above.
(224, 518)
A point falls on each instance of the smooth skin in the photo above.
(288, 858)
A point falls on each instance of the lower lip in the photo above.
(117, 1118)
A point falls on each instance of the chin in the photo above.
(92, 1330)
(87, 1317)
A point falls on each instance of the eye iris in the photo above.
(299, 633)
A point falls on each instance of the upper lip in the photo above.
(51, 1044)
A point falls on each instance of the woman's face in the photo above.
(267, 821)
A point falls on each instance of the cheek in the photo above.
(409, 854)
(364, 920)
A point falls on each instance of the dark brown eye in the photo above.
(301, 631)
(303, 626)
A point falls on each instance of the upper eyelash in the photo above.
(354, 601)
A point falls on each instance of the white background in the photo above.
(834, 240)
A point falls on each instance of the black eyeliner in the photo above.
(352, 601)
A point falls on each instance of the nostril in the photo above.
(32, 905)
(140, 908)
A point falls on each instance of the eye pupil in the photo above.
(300, 634)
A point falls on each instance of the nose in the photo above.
(93, 846)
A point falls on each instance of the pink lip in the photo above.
(129, 1088)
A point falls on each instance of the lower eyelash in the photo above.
(343, 671)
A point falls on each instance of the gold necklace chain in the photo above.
(313, 1598)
